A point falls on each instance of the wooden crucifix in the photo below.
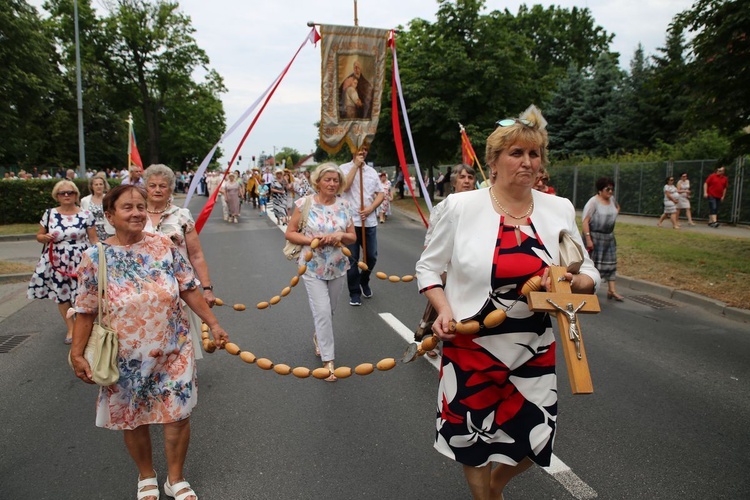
(566, 305)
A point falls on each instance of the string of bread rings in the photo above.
(303, 269)
(341, 372)
(414, 350)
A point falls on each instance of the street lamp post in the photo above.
(81, 146)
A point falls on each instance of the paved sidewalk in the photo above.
(25, 249)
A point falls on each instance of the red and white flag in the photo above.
(133, 154)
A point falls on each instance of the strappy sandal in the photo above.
(171, 490)
(331, 377)
(151, 481)
(315, 341)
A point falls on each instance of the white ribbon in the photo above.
(426, 196)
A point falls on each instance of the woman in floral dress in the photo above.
(65, 232)
(98, 186)
(384, 209)
(177, 223)
(497, 401)
(329, 219)
(146, 277)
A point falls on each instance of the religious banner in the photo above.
(353, 71)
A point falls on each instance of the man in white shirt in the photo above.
(135, 176)
(363, 206)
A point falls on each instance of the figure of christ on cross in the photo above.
(567, 321)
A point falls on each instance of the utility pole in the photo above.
(81, 146)
(356, 21)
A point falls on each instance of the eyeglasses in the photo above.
(66, 193)
(671, 180)
(608, 189)
(509, 122)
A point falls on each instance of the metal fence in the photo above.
(639, 186)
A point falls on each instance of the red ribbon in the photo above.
(57, 269)
(397, 132)
(206, 212)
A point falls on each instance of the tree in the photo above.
(720, 69)
(104, 130)
(560, 38)
(668, 90)
(636, 120)
(476, 68)
(595, 118)
(29, 81)
(561, 112)
(151, 53)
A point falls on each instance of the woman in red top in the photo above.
(715, 189)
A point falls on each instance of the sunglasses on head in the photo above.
(66, 193)
(509, 122)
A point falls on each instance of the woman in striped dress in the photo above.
(599, 217)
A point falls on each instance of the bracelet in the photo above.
(209, 287)
(587, 234)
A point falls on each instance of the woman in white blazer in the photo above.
(497, 402)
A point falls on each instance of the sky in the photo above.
(250, 42)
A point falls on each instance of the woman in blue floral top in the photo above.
(330, 221)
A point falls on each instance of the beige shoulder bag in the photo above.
(102, 348)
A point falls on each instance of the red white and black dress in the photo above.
(498, 389)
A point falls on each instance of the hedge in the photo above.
(24, 201)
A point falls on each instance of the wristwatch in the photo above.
(209, 287)
(587, 234)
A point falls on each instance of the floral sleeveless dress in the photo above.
(498, 389)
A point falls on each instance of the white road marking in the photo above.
(557, 468)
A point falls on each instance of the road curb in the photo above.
(17, 237)
(686, 297)
(11, 278)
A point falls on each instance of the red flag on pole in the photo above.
(466, 157)
(135, 157)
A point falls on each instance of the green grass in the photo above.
(19, 229)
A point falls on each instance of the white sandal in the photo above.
(151, 481)
(171, 490)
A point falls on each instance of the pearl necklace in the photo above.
(531, 207)
(155, 212)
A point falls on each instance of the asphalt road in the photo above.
(668, 418)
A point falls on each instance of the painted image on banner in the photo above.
(355, 89)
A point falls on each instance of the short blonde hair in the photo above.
(65, 183)
(323, 169)
(529, 128)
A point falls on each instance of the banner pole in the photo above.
(362, 207)
(130, 139)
